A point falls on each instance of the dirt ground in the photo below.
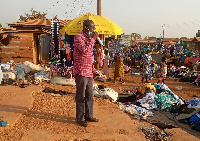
(37, 116)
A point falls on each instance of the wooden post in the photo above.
(39, 50)
(99, 7)
(35, 59)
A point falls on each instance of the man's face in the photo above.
(91, 27)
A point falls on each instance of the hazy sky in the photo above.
(146, 17)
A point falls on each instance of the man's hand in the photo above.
(95, 35)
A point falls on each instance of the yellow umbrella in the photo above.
(102, 24)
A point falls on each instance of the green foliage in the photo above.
(145, 38)
(182, 38)
(34, 15)
(149, 38)
(136, 36)
(0, 25)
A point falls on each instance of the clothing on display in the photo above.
(136, 110)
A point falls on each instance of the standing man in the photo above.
(83, 71)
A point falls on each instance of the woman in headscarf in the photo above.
(147, 73)
(119, 59)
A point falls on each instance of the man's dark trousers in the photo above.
(84, 97)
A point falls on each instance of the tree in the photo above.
(152, 38)
(198, 33)
(149, 38)
(182, 38)
(136, 36)
(0, 25)
(34, 15)
(146, 38)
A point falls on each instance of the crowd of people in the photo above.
(140, 56)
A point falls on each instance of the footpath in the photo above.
(14, 102)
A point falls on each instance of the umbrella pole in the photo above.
(97, 56)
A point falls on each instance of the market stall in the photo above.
(104, 27)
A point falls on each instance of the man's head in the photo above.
(88, 26)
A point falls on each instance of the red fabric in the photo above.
(196, 60)
(83, 55)
(180, 69)
(187, 60)
(69, 57)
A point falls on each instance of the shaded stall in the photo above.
(103, 25)
(34, 42)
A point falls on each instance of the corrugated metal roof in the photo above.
(38, 22)
(15, 31)
(3, 29)
(171, 39)
(187, 40)
(7, 28)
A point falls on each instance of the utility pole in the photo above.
(98, 46)
(99, 7)
(163, 30)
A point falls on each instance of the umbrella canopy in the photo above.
(102, 24)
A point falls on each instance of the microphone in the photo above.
(100, 41)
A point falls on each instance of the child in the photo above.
(163, 70)
(106, 64)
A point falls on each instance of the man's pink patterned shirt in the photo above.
(83, 55)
